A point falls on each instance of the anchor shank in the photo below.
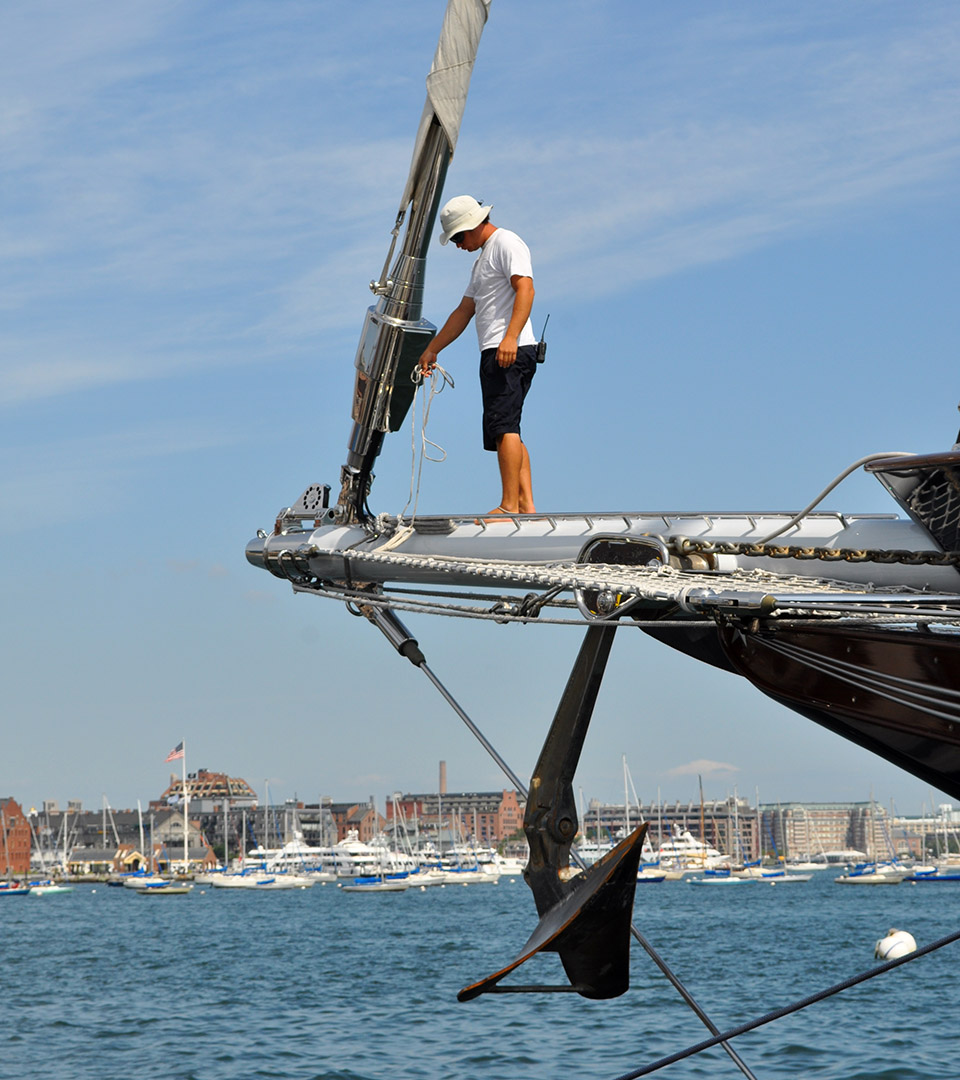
(550, 822)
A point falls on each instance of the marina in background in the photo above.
(230, 837)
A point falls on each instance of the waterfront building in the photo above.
(84, 861)
(15, 839)
(314, 822)
(486, 818)
(929, 836)
(217, 802)
(362, 817)
(208, 792)
(813, 830)
(729, 825)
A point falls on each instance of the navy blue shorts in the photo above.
(503, 391)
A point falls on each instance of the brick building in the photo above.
(362, 817)
(487, 818)
(15, 839)
(208, 792)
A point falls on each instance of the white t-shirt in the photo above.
(503, 255)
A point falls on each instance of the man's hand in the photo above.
(428, 361)
(507, 351)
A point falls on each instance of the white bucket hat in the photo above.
(461, 213)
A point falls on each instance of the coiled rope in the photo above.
(439, 379)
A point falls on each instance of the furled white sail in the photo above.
(449, 79)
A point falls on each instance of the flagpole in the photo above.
(186, 801)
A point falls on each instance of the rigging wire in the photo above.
(786, 1010)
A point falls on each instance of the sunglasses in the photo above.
(457, 238)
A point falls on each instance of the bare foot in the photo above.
(495, 516)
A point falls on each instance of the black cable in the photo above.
(786, 1010)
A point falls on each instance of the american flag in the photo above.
(176, 752)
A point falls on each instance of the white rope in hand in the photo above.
(439, 379)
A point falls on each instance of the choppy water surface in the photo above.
(323, 985)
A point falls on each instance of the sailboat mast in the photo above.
(756, 792)
(6, 848)
(703, 832)
(626, 799)
(186, 802)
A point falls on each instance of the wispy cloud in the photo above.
(178, 200)
(702, 169)
(702, 767)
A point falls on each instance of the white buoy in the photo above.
(897, 943)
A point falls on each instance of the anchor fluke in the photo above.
(589, 928)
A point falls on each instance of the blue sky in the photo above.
(744, 226)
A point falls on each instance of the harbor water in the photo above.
(317, 984)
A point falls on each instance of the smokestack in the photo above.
(443, 778)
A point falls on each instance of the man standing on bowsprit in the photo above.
(500, 295)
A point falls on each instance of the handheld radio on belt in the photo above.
(542, 343)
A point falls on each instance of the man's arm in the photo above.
(522, 306)
(457, 322)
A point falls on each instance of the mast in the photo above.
(394, 334)
(35, 836)
(266, 819)
(756, 792)
(626, 798)
(186, 803)
(703, 833)
(736, 826)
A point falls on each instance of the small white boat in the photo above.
(722, 879)
(47, 888)
(379, 883)
(873, 874)
(164, 888)
(322, 877)
(261, 881)
(141, 878)
(510, 866)
(470, 875)
(427, 877)
(649, 876)
(774, 876)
